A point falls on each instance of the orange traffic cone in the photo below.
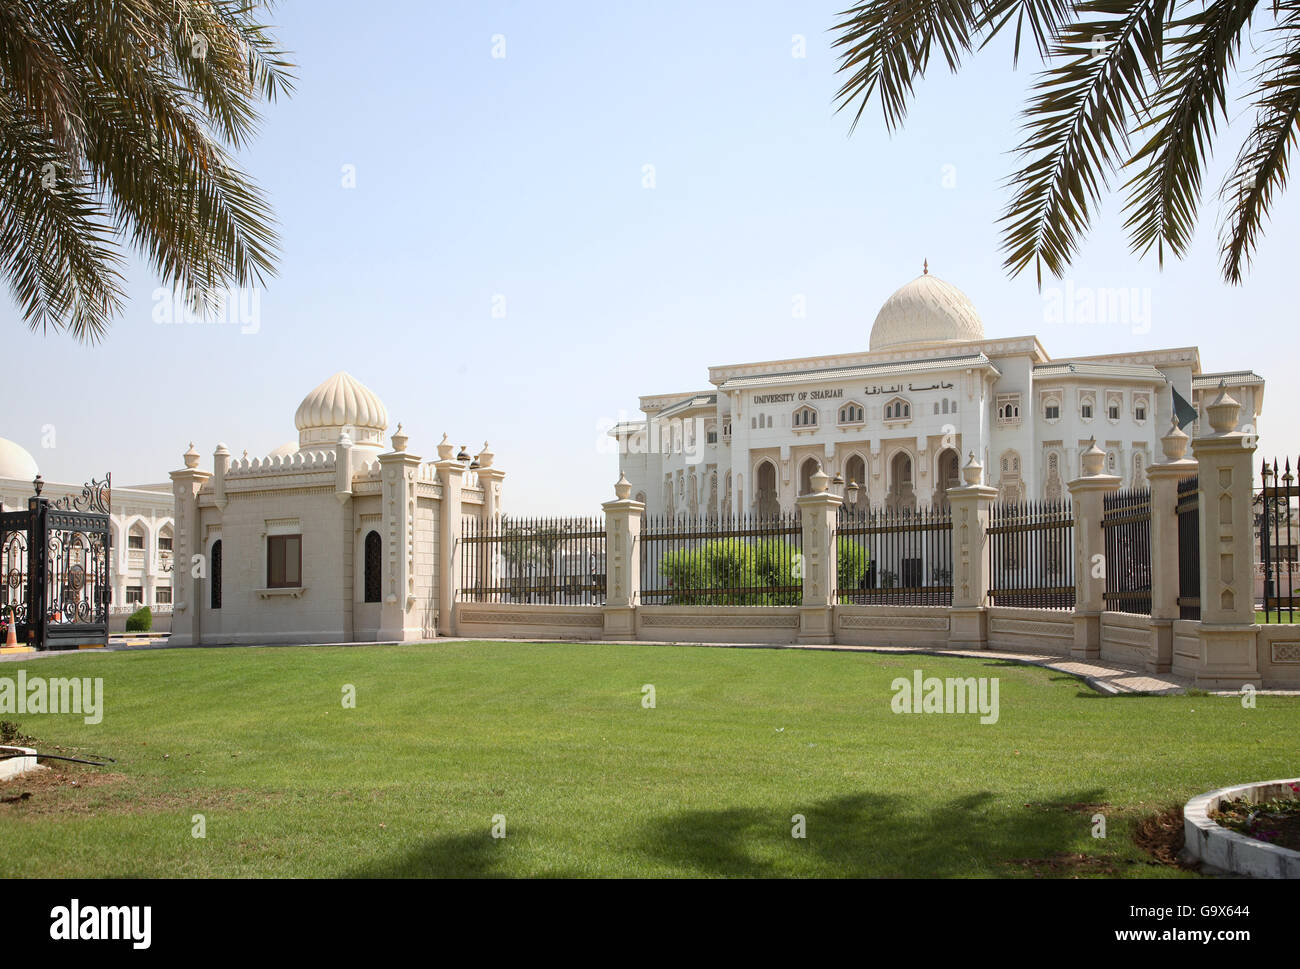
(12, 638)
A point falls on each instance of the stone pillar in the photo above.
(1164, 478)
(188, 589)
(622, 561)
(399, 614)
(1225, 460)
(490, 478)
(1086, 494)
(818, 510)
(450, 474)
(970, 502)
(220, 465)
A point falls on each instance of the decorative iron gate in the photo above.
(56, 568)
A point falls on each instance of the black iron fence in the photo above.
(748, 561)
(1189, 548)
(1126, 521)
(894, 557)
(1031, 555)
(559, 561)
(1278, 531)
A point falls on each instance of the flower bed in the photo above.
(1275, 820)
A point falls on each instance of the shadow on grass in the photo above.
(872, 835)
(476, 855)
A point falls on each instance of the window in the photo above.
(898, 410)
(374, 566)
(753, 423)
(852, 413)
(163, 595)
(134, 541)
(283, 561)
(1052, 410)
(710, 437)
(1110, 460)
(1112, 412)
(805, 417)
(1140, 410)
(214, 573)
(1085, 408)
(164, 543)
(134, 595)
(1008, 408)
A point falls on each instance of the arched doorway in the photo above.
(766, 501)
(806, 471)
(947, 476)
(901, 495)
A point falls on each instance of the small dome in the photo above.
(341, 401)
(16, 462)
(285, 449)
(926, 310)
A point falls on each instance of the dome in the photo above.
(285, 449)
(341, 403)
(926, 310)
(16, 462)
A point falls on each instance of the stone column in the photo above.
(188, 589)
(622, 561)
(450, 475)
(491, 480)
(1086, 494)
(1225, 473)
(970, 502)
(818, 510)
(1164, 478)
(399, 614)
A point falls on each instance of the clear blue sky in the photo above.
(522, 176)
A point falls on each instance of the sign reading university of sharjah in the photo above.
(791, 395)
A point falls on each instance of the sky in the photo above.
(503, 269)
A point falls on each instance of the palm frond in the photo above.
(1077, 125)
(1260, 170)
(1165, 193)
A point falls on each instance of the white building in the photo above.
(142, 536)
(332, 538)
(900, 418)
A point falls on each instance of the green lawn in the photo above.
(555, 738)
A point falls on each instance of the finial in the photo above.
(925, 267)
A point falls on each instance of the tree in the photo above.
(115, 121)
(1132, 85)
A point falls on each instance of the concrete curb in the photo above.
(13, 766)
(1207, 842)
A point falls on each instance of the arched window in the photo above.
(851, 413)
(374, 567)
(898, 410)
(214, 574)
(805, 417)
(766, 502)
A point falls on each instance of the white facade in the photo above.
(899, 419)
(143, 533)
(334, 539)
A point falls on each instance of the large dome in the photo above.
(926, 310)
(16, 462)
(341, 403)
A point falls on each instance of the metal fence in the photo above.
(1189, 548)
(1278, 533)
(559, 561)
(894, 557)
(1126, 521)
(1031, 555)
(748, 561)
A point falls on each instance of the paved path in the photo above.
(1106, 677)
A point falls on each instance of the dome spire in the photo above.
(925, 267)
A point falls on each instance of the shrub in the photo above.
(726, 564)
(852, 559)
(140, 621)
